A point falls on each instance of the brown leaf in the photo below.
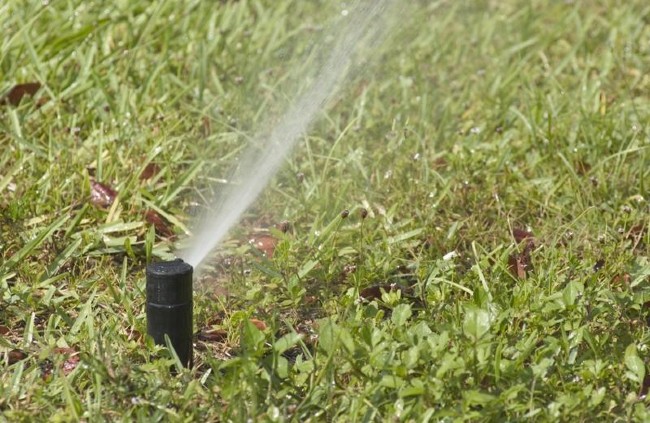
(71, 359)
(16, 355)
(374, 292)
(70, 364)
(212, 335)
(636, 233)
(284, 226)
(258, 324)
(159, 222)
(16, 94)
(135, 335)
(520, 264)
(149, 171)
(516, 266)
(41, 101)
(623, 279)
(582, 167)
(521, 234)
(101, 195)
(206, 126)
(440, 163)
(4, 330)
(264, 243)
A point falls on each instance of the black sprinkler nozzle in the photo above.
(169, 306)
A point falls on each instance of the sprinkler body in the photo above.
(169, 306)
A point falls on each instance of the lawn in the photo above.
(462, 234)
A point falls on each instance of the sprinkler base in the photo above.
(169, 306)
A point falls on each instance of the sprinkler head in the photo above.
(169, 306)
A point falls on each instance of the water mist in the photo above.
(169, 283)
(361, 29)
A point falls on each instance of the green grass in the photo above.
(478, 120)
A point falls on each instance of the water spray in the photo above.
(364, 26)
(169, 306)
(169, 283)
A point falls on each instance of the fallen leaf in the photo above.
(624, 278)
(41, 101)
(521, 234)
(15, 356)
(517, 266)
(16, 94)
(70, 364)
(258, 324)
(206, 126)
(520, 264)
(284, 226)
(4, 330)
(101, 195)
(159, 222)
(71, 359)
(374, 292)
(135, 335)
(440, 163)
(212, 335)
(582, 167)
(264, 243)
(636, 234)
(149, 171)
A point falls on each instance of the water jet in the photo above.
(169, 306)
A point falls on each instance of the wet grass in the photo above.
(493, 262)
